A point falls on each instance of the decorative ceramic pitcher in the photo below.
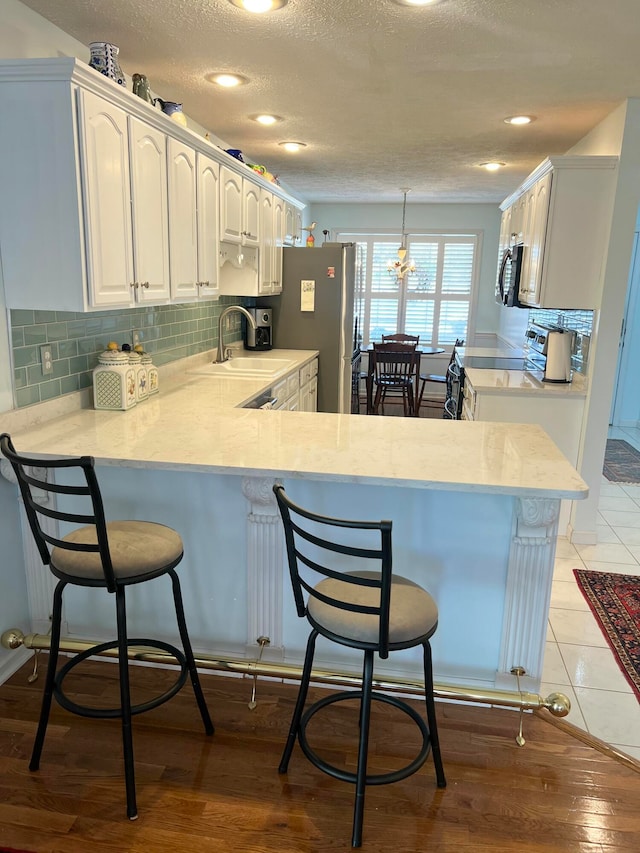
(173, 110)
(104, 58)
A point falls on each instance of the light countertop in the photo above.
(192, 424)
(524, 382)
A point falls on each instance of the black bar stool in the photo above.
(109, 555)
(375, 611)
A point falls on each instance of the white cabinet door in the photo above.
(536, 229)
(107, 201)
(265, 282)
(183, 234)
(278, 236)
(208, 179)
(230, 206)
(309, 396)
(148, 161)
(250, 213)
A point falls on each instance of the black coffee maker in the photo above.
(260, 337)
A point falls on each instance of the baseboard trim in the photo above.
(12, 662)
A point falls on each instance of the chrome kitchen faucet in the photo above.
(220, 356)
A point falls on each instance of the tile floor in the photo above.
(578, 661)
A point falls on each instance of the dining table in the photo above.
(420, 351)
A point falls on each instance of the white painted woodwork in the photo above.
(72, 197)
(208, 179)
(107, 201)
(230, 206)
(267, 250)
(278, 234)
(562, 214)
(148, 163)
(265, 564)
(250, 213)
(183, 233)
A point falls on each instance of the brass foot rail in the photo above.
(556, 703)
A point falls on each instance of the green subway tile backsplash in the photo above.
(168, 332)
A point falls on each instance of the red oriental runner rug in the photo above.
(615, 602)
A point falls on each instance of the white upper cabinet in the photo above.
(208, 179)
(278, 237)
(239, 209)
(267, 250)
(293, 225)
(117, 205)
(183, 233)
(148, 162)
(230, 206)
(562, 214)
(104, 148)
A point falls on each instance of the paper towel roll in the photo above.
(558, 350)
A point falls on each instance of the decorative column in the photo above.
(265, 562)
(40, 581)
(528, 590)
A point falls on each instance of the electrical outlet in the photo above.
(46, 359)
(227, 323)
(136, 337)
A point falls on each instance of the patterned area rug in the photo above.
(621, 462)
(615, 602)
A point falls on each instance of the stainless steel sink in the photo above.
(248, 367)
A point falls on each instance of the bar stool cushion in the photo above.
(413, 612)
(137, 548)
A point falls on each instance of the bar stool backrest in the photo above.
(32, 473)
(312, 558)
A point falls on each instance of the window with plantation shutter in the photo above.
(433, 302)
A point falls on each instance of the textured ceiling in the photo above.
(384, 95)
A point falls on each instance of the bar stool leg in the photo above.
(302, 698)
(363, 748)
(431, 716)
(47, 696)
(188, 653)
(125, 704)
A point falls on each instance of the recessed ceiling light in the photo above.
(226, 79)
(293, 146)
(265, 118)
(519, 119)
(491, 167)
(259, 6)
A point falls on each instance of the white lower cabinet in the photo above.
(309, 387)
(298, 392)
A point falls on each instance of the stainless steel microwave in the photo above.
(508, 283)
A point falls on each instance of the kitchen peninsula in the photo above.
(474, 507)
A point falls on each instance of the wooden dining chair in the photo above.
(401, 338)
(435, 379)
(395, 369)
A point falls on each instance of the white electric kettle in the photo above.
(558, 348)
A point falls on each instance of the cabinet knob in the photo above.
(134, 284)
(145, 284)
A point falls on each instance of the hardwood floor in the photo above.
(204, 795)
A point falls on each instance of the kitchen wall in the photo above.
(484, 218)
(168, 332)
(618, 134)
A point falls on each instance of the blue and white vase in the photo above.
(104, 58)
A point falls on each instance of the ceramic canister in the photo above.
(104, 58)
(114, 380)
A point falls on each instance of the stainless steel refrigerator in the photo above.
(316, 311)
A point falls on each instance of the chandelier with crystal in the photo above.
(400, 266)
